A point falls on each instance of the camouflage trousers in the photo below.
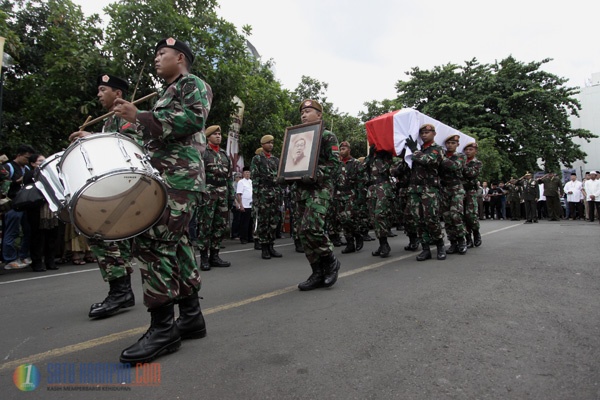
(348, 212)
(471, 211)
(295, 198)
(452, 210)
(410, 226)
(312, 208)
(333, 224)
(114, 258)
(168, 263)
(213, 219)
(424, 210)
(268, 217)
(379, 199)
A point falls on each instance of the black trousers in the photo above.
(246, 226)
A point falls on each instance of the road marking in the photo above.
(62, 351)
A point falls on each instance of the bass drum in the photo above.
(47, 180)
(112, 191)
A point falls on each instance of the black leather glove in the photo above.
(280, 180)
(411, 144)
(307, 179)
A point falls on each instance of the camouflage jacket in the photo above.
(218, 169)
(401, 171)
(352, 179)
(513, 191)
(174, 132)
(328, 164)
(451, 170)
(119, 125)
(471, 174)
(552, 185)
(425, 166)
(378, 167)
(263, 172)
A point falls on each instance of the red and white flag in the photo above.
(389, 131)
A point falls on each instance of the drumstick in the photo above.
(100, 118)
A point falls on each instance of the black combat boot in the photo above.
(298, 245)
(469, 240)
(385, 247)
(453, 247)
(359, 241)
(215, 261)
(441, 249)
(204, 264)
(273, 252)
(265, 251)
(476, 238)
(331, 266)
(335, 240)
(425, 254)
(315, 280)
(462, 246)
(413, 244)
(119, 296)
(350, 247)
(191, 322)
(257, 245)
(161, 336)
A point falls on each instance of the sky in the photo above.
(362, 48)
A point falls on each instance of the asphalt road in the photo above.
(517, 318)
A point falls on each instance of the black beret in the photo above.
(177, 45)
(113, 82)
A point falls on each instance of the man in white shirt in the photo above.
(244, 200)
(574, 196)
(592, 191)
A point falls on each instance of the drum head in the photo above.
(135, 203)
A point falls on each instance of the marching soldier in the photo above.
(379, 197)
(424, 192)
(213, 217)
(470, 178)
(453, 196)
(267, 196)
(401, 171)
(352, 177)
(173, 133)
(114, 258)
(315, 195)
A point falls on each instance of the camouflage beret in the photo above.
(113, 81)
(177, 45)
(345, 144)
(212, 129)
(472, 144)
(452, 137)
(308, 103)
(422, 127)
(266, 139)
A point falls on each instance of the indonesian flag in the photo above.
(389, 131)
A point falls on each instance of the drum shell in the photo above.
(112, 191)
(47, 180)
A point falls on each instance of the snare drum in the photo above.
(48, 182)
(112, 191)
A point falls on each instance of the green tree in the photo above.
(48, 91)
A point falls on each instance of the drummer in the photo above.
(114, 258)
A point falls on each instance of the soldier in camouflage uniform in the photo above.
(470, 177)
(213, 217)
(453, 196)
(351, 178)
(114, 258)
(315, 195)
(401, 171)
(553, 190)
(531, 193)
(267, 196)
(173, 133)
(424, 192)
(514, 199)
(379, 197)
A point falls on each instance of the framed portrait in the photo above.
(300, 152)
